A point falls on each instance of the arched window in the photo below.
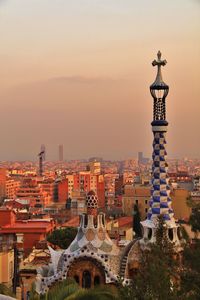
(97, 280)
(86, 280)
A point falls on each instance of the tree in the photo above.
(136, 221)
(155, 277)
(62, 237)
(194, 220)
(59, 291)
(190, 275)
(68, 289)
(97, 293)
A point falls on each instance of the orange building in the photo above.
(6, 264)
(48, 185)
(63, 191)
(138, 194)
(101, 191)
(25, 232)
(179, 203)
(30, 190)
(8, 186)
(84, 182)
(2, 184)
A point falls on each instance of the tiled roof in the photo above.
(125, 221)
(74, 222)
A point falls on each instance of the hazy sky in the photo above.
(77, 73)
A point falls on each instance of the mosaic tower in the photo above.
(160, 202)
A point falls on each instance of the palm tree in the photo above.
(69, 290)
(97, 293)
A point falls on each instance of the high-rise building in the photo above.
(142, 159)
(60, 152)
(160, 201)
(43, 150)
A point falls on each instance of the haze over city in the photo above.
(77, 73)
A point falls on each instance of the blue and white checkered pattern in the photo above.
(160, 202)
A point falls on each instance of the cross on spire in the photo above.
(159, 62)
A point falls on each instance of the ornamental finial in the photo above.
(159, 62)
(159, 83)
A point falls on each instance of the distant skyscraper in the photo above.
(142, 159)
(60, 152)
(43, 149)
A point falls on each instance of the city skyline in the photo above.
(80, 77)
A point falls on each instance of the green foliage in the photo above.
(153, 280)
(136, 221)
(33, 294)
(4, 290)
(190, 202)
(184, 233)
(62, 290)
(194, 220)
(69, 290)
(190, 275)
(62, 237)
(97, 293)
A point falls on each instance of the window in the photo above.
(136, 201)
(86, 280)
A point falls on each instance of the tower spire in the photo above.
(160, 201)
(159, 91)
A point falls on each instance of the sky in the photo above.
(77, 73)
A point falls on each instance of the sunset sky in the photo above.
(77, 73)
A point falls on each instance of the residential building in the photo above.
(6, 262)
(25, 232)
(136, 194)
